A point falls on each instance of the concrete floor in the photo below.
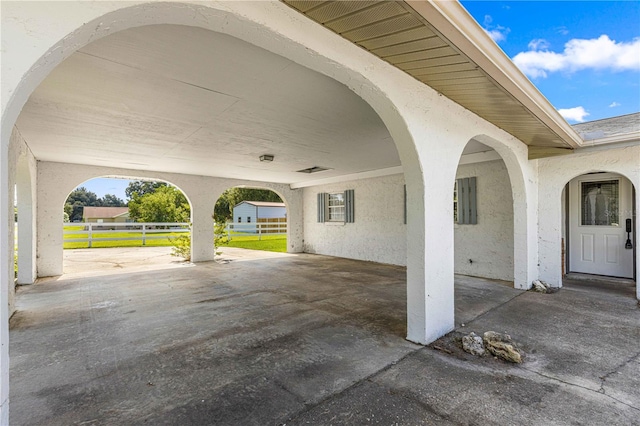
(304, 339)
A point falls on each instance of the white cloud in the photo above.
(497, 32)
(598, 53)
(497, 35)
(614, 104)
(562, 30)
(574, 114)
(538, 44)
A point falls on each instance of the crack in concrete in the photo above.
(615, 370)
(599, 391)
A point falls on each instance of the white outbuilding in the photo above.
(259, 211)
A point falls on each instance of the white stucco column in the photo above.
(202, 248)
(430, 280)
(295, 220)
(6, 257)
(439, 136)
(54, 183)
(27, 201)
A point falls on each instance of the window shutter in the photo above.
(405, 204)
(349, 206)
(322, 207)
(467, 201)
(473, 212)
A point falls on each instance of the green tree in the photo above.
(223, 210)
(165, 204)
(110, 200)
(79, 198)
(143, 187)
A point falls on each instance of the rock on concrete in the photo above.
(540, 286)
(472, 343)
(502, 346)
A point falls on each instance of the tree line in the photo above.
(151, 201)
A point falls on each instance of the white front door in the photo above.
(599, 205)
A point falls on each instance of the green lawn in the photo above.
(160, 242)
(277, 243)
(268, 243)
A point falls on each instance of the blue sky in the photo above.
(102, 186)
(584, 56)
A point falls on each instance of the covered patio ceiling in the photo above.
(187, 100)
(440, 44)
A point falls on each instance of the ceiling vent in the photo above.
(313, 169)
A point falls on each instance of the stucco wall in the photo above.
(554, 174)
(489, 243)
(378, 233)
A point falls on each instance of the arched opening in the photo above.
(599, 222)
(503, 241)
(483, 215)
(484, 206)
(251, 218)
(118, 225)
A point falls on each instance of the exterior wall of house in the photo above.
(554, 174)
(486, 249)
(378, 233)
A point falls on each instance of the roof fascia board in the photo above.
(453, 21)
(614, 139)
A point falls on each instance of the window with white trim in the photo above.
(336, 207)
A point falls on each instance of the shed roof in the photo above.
(103, 212)
(262, 204)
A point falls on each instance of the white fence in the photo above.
(96, 232)
(259, 229)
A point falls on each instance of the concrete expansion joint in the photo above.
(369, 378)
(427, 407)
(465, 326)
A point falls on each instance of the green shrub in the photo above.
(221, 236)
(181, 246)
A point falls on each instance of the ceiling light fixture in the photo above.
(266, 157)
